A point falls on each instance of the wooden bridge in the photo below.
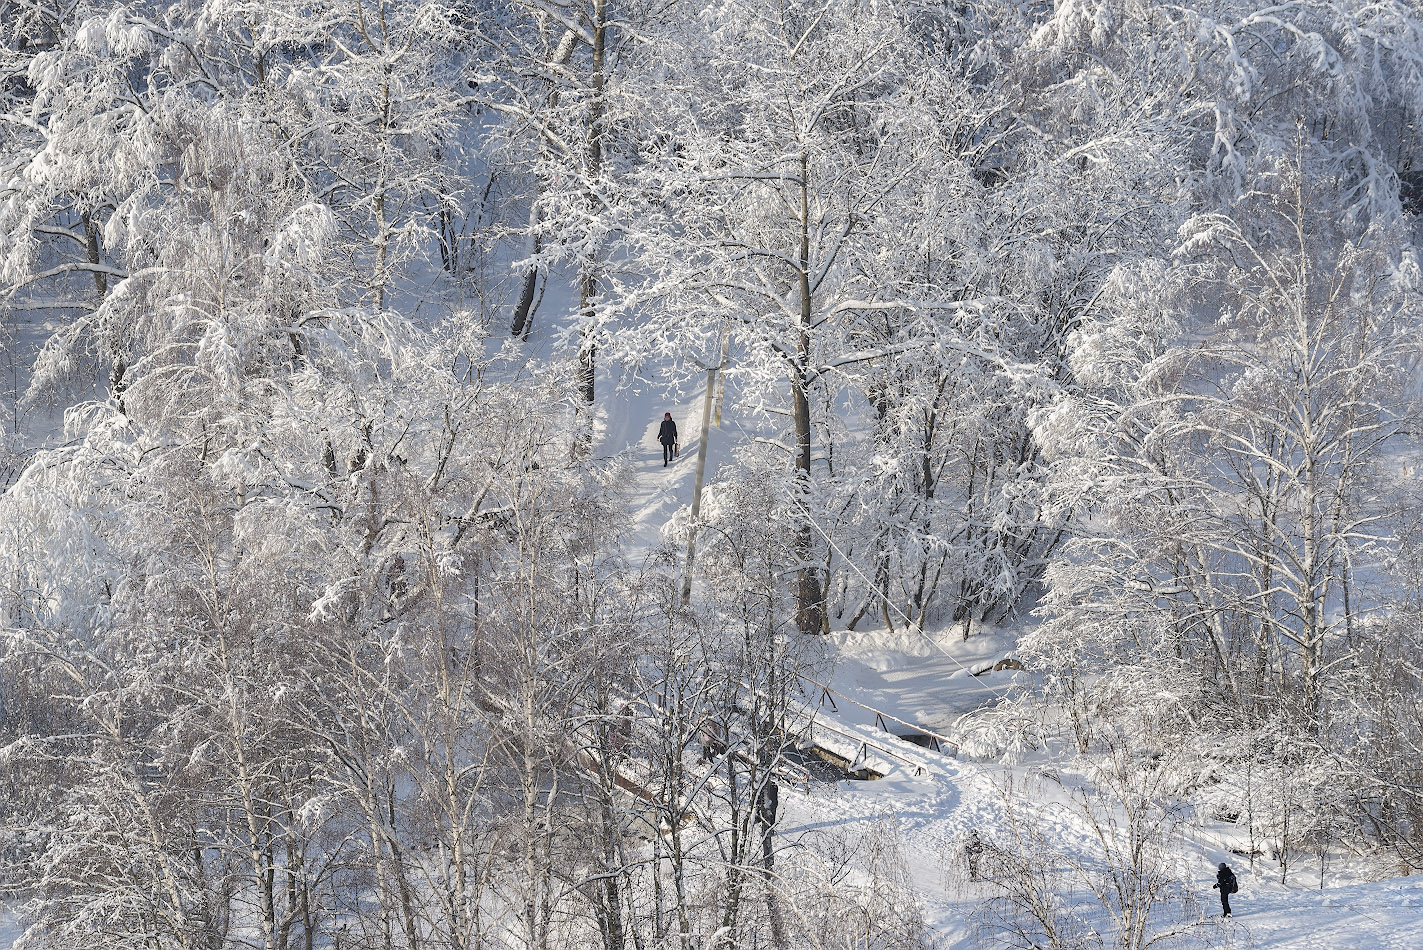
(829, 741)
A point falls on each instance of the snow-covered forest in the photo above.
(346, 602)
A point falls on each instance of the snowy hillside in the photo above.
(1043, 531)
(930, 807)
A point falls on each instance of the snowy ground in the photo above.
(933, 812)
(628, 423)
(10, 928)
(928, 680)
(932, 800)
(924, 680)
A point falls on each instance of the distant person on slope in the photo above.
(667, 435)
(1225, 883)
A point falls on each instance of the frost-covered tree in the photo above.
(1241, 402)
(555, 76)
(155, 131)
(1029, 186)
(770, 170)
(295, 653)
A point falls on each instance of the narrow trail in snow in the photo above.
(628, 424)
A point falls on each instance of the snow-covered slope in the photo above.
(627, 423)
(933, 812)
(932, 805)
(10, 928)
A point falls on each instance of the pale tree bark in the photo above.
(712, 396)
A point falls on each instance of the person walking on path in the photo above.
(1225, 883)
(667, 435)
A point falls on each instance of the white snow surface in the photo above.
(924, 679)
(10, 926)
(628, 422)
(927, 679)
(931, 800)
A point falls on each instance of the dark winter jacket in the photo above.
(1225, 880)
(667, 434)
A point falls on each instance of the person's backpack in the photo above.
(1232, 885)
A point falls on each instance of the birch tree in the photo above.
(758, 192)
(559, 84)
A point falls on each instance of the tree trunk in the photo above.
(810, 599)
(701, 474)
(523, 312)
(588, 280)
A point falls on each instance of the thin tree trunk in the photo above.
(810, 600)
(588, 280)
(523, 312)
(701, 473)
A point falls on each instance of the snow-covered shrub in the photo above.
(1090, 865)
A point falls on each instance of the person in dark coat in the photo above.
(667, 435)
(1225, 883)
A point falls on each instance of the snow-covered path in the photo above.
(932, 812)
(627, 423)
(925, 680)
